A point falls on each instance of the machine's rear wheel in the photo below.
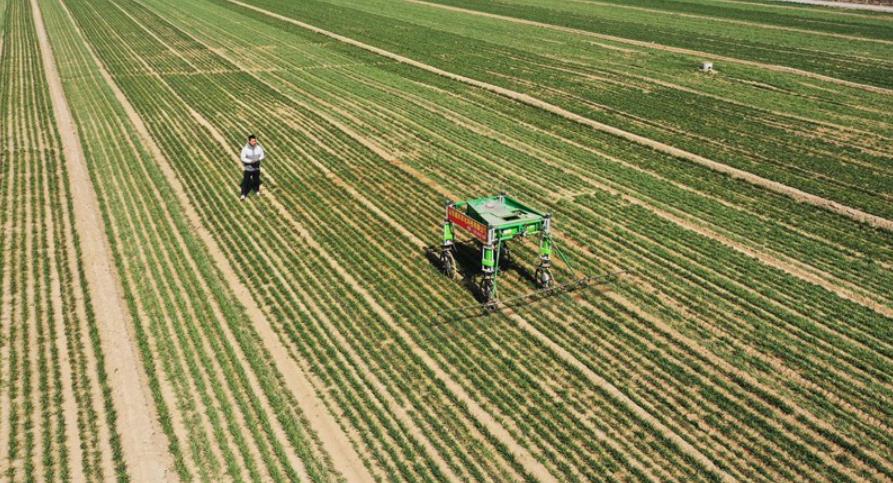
(448, 264)
(544, 277)
(487, 288)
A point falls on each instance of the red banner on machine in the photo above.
(476, 228)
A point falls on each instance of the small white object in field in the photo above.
(706, 66)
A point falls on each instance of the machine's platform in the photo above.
(497, 218)
(500, 211)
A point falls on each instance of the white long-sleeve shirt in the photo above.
(250, 155)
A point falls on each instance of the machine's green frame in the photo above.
(493, 221)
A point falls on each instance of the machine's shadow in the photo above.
(468, 266)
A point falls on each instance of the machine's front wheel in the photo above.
(448, 264)
(543, 277)
(487, 289)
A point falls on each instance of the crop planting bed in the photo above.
(153, 327)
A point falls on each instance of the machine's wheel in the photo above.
(487, 288)
(448, 264)
(544, 277)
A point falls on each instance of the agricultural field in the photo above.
(153, 327)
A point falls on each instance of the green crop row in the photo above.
(699, 178)
(358, 262)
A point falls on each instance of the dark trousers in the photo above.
(250, 181)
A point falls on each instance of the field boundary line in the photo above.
(656, 46)
(335, 441)
(142, 440)
(735, 173)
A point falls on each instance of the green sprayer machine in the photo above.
(493, 221)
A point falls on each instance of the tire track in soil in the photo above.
(393, 406)
(796, 194)
(807, 273)
(199, 423)
(145, 450)
(791, 332)
(676, 184)
(793, 267)
(650, 45)
(192, 390)
(723, 368)
(103, 453)
(599, 382)
(731, 451)
(216, 370)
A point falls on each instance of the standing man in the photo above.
(252, 155)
